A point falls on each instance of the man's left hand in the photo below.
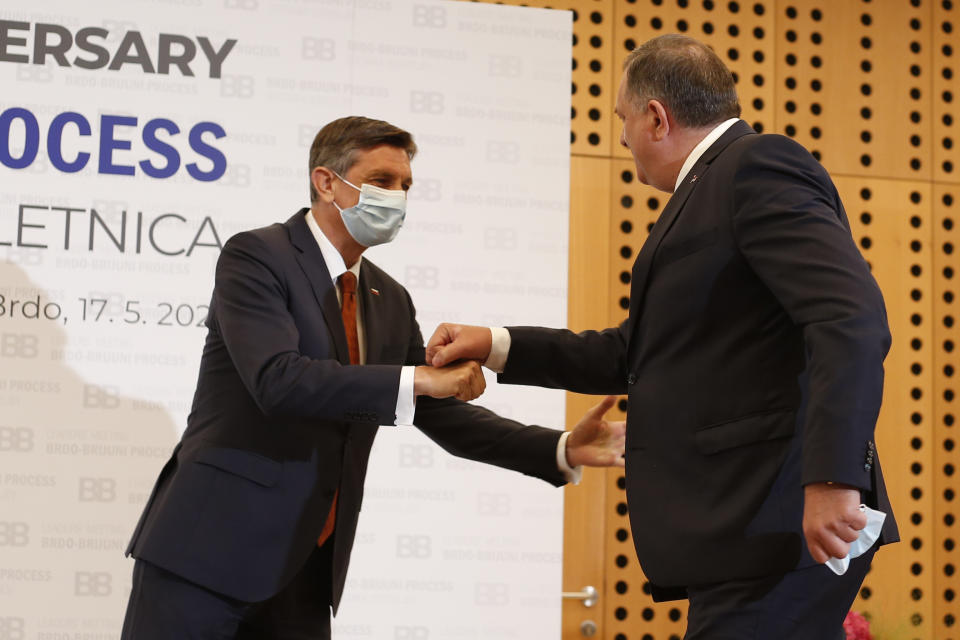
(831, 519)
(596, 442)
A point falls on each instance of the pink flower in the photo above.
(857, 627)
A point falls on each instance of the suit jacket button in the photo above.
(631, 379)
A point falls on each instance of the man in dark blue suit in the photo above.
(752, 358)
(249, 529)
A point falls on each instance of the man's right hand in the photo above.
(832, 519)
(463, 381)
(452, 342)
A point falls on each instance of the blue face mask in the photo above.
(377, 216)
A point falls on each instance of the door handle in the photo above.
(588, 595)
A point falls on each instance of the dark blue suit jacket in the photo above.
(753, 359)
(281, 420)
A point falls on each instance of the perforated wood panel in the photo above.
(870, 88)
(892, 224)
(853, 85)
(943, 434)
(943, 110)
(593, 83)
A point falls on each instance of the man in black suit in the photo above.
(752, 358)
(249, 529)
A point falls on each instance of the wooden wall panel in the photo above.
(592, 56)
(853, 84)
(946, 92)
(943, 438)
(892, 223)
(585, 540)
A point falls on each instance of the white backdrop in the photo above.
(134, 140)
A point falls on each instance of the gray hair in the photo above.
(686, 76)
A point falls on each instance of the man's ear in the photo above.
(322, 180)
(660, 118)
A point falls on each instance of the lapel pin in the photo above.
(693, 179)
(375, 292)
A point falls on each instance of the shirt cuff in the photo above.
(406, 402)
(499, 349)
(572, 474)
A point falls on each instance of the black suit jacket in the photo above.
(281, 420)
(753, 359)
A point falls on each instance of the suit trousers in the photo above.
(806, 604)
(164, 606)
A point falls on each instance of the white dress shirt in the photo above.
(701, 147)
(406, 403)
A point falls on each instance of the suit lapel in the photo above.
(669, 215)
(373, 315)
(310, 258)
(641, 267)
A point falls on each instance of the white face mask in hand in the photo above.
(868, 535)
(377, 216)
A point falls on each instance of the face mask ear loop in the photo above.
(342, 179)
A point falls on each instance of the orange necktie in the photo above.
(348, 311)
